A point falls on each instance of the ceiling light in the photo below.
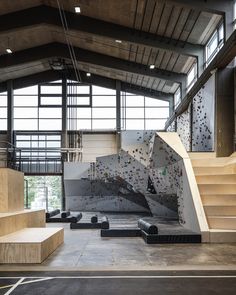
(77, 9)
(8, 50)
(118, 41)
(88, 74)
(152, 67)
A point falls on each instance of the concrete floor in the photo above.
(86, 250)
(119, 285)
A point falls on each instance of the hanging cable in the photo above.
(69, 44)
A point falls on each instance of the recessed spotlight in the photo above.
(77, 9)
(88, 74)
(8, 50)
(152, 67)
(118, 41)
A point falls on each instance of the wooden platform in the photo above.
(11, 190)
(30, 245)
(10, 222)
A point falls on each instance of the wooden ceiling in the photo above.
(162, 18)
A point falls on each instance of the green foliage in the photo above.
(53, 183)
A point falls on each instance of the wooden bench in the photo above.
(30, 245)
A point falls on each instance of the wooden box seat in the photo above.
(30, 245)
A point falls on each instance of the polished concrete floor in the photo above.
(86, 250)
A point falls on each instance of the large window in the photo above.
(38, 108)
(93, 109)
(3, 111)
(143, 113)
(214, 44)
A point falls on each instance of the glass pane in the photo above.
(22, 124)
(79, 89)
(156, 113)
(134, 124)
(96, 90)
(25, 101)
(49, 112)
(3, 113)
(3, 124)
(52, 144)
(84, 124)
(25, 112)
(155, 124)
(52, 124)
(3, 101)
(83, 113)
(104, 113)
(135, 101)
(153, 102)
(32, 90)
(104, 124)
(51, 101)
(104, 101)
(77, 101)
(191, 76)
(211, 47)
(134, 113)
(25, 144)
(51, 89)
(221, 33)
(22, 137)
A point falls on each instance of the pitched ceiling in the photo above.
(173, 25)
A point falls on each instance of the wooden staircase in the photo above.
(216, 179)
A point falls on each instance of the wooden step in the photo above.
(219, 200)
(30, 245)
(216, 179)
(222, 236)
(212, 189)
(222, 222)
(211, 162)
(11, 222)
(212, 210)
(217, 170)
(202, 155)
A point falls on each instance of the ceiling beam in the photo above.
(220, 7)
(78, 22)
(60, 50)
(51, 75)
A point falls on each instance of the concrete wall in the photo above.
(225, 115)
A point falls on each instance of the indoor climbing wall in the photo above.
(168, 174)
(204, 118)
(183, 128)
(136, 143)
(106, 192)
(171, 128)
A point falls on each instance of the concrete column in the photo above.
(10, 111)
(224, 112)
(64, 113)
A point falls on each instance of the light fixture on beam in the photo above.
(8, 50)
(77, 9)
(151, 67)
(118, 41)
(88, 74)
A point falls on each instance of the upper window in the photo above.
(191, 77)
(214, 44)
(177, 97)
